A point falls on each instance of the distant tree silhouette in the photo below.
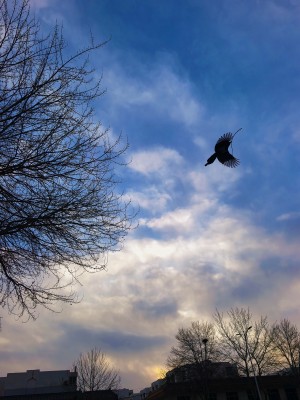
(60, 211)
(245, 342)
(222, 153)
(254, 346)
(190, 347)
(95, 372)
(286, 338)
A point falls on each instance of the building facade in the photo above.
(37, 382)
(235, 388)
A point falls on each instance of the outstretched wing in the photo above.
(226, 137)
(223, 143)
(221, 149)
(228, 159)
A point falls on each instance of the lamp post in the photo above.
(250, 358)
(204, 341)
(298, 360)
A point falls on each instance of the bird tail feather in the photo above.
(211, 159)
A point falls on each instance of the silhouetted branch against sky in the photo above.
(252, 344)
(286, 337)
(190, 347)
(95, 372)
(246, 341)
(60, 209)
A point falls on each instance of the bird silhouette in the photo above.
(222, 153)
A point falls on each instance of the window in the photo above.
(232, 396)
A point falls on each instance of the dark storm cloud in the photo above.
(108, 341)
(279, 267)
(265, 278)
(248, 289)
(160, 309)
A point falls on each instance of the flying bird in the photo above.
(222, 153)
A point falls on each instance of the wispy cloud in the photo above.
(156, 90)
(159, 160)
(37, 4)
(289, 216)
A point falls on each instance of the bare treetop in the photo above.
(95, 372)
(194, 344)
(60, 210)
(246, 342)
(251, 345)
(286, 337)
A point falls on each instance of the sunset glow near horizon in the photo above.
(178, 76)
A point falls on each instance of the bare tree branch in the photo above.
(60, 211)
(245, 342)
(95, 372)
(190, 348)
(286, 338)
(253, 346)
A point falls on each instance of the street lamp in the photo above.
(204, 341)
(298, 360)
(250, 358)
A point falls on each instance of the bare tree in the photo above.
(194, 345)
(60, 211)
(245, 342)
(261, 348)
(95, 372)
(286, 337)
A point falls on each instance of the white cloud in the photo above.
(157, 90)
(155, 161)
(213, 180)
(152, 199)
(288, 216)
(177, 221)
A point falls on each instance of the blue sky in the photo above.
(179, 74)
